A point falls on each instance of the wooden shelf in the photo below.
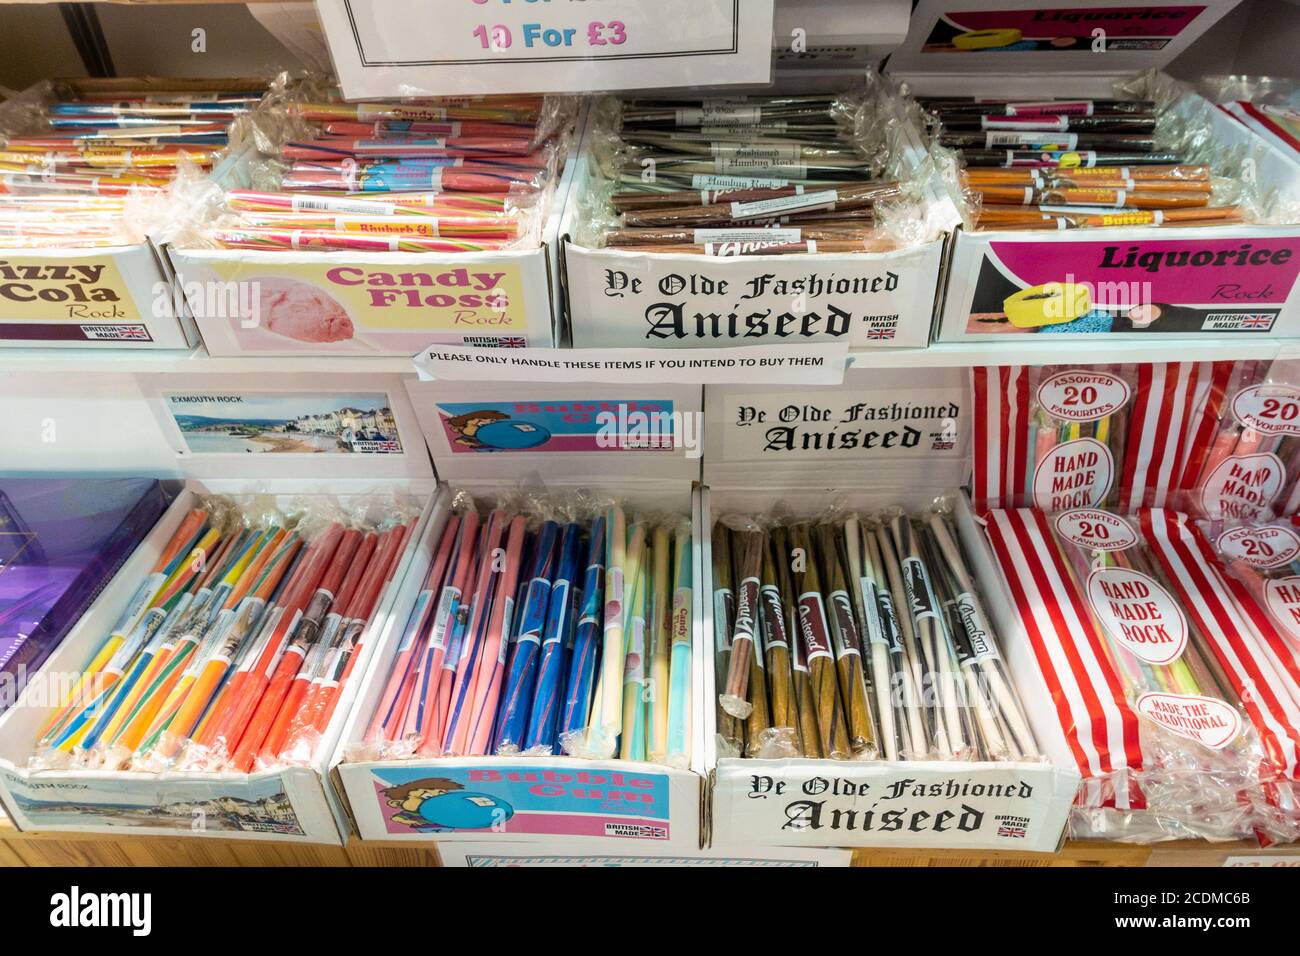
(92, 849)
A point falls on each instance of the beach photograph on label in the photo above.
(286, 423)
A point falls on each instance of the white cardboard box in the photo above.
(618, 299)
(550, 800)
(1194, 281)
(293, 803)
(397, 302)
(111, 297)
(910, 445)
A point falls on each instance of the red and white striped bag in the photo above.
(1166, 684)
(1117, 436)
(1100, 727)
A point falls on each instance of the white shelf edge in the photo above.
(942, 355)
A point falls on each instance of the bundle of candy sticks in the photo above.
(537, 636)
(67, 184)
(233, 651)
(1074, 164)
(857, 640)
(754, 176)
(430, 176)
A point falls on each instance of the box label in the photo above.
(815, 803)
(1059, 30)
(579, 426)
(532, 797)
(361, 307)
(256, 806)
(621, 300)
(290, 423)
(1175, 286)
(69, 299)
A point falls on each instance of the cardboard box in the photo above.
(543, 801)
(292, 803)
(883, 439)
(397, 302)
(619, 299)
(111, 297)
(1189, 281)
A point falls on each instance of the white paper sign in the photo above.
(790, 365)
(414, 48)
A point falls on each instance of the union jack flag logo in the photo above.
(880, 334)
(1009, 830)
(513, 342)
(1256, 321)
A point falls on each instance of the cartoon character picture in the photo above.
(439, 805)
(490, 430)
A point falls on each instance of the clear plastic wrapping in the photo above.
(1066, 437)
(1150, 658)
(1146, 156)
(81, 168)
(547, 625)
(444, 176)
(872, 638)
(769, 175)
(233, 651)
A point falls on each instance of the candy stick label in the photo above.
(774, 634)
(766, 152)
(1140, 614)
(774, 207)
(813, 626)
(634, 662)
(870, 612)
(723, 607)
(844, 629)
(766, 236)
(1206, 720)
(722, 114)
(1243, 487)
(559, 592)
(1037, 138)
(442, 616)
(1083, 396)
(1096, 530)
(1076, 474)
(1055, 107)
(982, 648)
(1269, 409)
(728, 183)
(682, 616)
(747, 599)
(889, 621)
(1030, 121)
(1267, 547)
(1282, 596)
(920, 597)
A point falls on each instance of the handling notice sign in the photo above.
(804, 364)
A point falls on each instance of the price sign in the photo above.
(466, 47)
